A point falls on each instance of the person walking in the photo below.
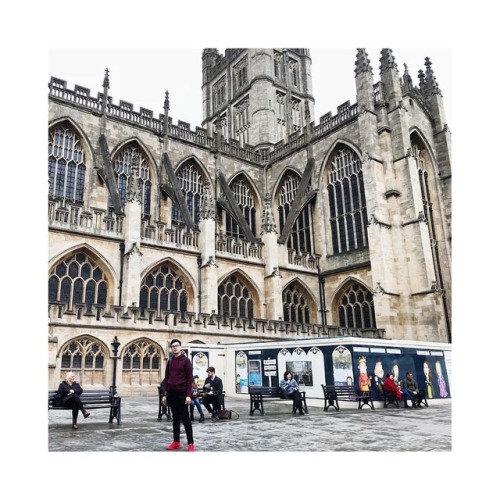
(70, 391)
(178, 383)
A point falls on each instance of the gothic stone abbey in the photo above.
(262, 224)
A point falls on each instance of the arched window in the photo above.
(355, 309)
(346, 195)
(235, 298)
(301, 236)
(243, 195)
(295, 305)
(85, 356)
(66, 165)
(191, 183)
(163, 290)
(122, 165)
(78, 280)
(141, 363)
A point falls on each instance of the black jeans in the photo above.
(211, 399)
(297, 403)
(76, 405)
(180, 411)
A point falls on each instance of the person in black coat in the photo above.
(70, 392)
(213, 388)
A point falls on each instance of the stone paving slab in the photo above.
(350, 429)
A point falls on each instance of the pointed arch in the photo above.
(353, 305)
(301, 236)
(165, 287)
(246, 197)
(141, 362)
(86, 356)
(299, 304)
(238, 295)
(343, 177)
(121, 160)
(191, 174)
(68, 162)
(80, 276)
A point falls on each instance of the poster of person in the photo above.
(241, 373)
(301, 371)
(200, 365)
(342, 366)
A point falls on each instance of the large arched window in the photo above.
(346, 194)
(296, 307)
(141, 363)
(86, 357)
(191, 183)
(355, 307)
(78, 280)
(122, 165)
(66, 165)
(235, 298)
(301, 236)
(163, 289)
(243, 194)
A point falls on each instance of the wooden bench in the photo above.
(335, 393)
(259, 393)
(165, 409)
(94, 399)
(390, 399)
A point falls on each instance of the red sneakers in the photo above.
(174, 445)
(191, 447)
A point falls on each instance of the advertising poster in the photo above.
(254, 372)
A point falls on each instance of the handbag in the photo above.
(227, 415)
(57, 400)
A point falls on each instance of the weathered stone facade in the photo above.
(261, 225)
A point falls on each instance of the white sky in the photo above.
(141, 76)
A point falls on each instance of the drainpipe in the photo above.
(321, 281)
(199, 286)
(122, 257)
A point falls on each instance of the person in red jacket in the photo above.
(178, 381)
(390, 386)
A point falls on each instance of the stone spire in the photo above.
(105, 86)
(134, 189)
(207, 202)
(421, 81)
(268, 222)
(387, 61)
(105, 83)
(362, 64)
(431, 85)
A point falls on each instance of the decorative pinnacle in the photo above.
(362, 64)
(407, 81)
(166, 103)
(387, 61)
(105, 83)
(432, 86)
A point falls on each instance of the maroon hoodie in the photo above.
(179, 374)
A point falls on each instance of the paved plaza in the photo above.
(383, 429)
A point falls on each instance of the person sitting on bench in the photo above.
(410, 390)
(391, 387)
(290, 390)
(213, 390)
(70, 391)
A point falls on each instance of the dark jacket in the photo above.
(215, 385)
(179, 374)
(64, 389)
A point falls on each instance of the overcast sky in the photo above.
(141, 76)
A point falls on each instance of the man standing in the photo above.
(213, 390)
(178, 381)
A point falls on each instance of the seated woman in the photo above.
(391, 387)
(290, 390)
(70, 391)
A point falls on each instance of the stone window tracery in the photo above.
(243, 194)
(219, 93)
(85, 356)
(235, 298)
(242, 120)
(66, 165)
(355, 308)
(240, 74)
(163, 289)
(301, 236)
(78, 280)
(346, 194)
(122, 165)
(296, 307)
(191, 184)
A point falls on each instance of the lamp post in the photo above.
(115, 345)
